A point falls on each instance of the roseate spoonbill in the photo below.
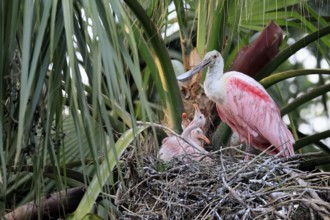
(245, 106)
(185, 121)
(192, 146)
(173, 146)
(197, 134)
(170, 148)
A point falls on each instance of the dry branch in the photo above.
(230, 188)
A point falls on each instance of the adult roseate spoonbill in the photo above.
(173, 146)
(245, 106)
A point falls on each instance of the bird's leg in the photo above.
(248, 149)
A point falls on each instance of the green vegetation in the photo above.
(79, 78)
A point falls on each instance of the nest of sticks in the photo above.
(227, 188)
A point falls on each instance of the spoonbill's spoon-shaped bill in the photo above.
(198, 134)
(196, 69)
(244, 104)
(173, 146)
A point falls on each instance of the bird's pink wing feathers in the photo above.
(251, 112)
(171, 148)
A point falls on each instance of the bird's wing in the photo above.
(171, 147)
(250, 105)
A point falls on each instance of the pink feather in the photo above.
(250, 111)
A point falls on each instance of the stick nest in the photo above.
(227, 188)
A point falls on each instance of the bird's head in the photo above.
(199, 118)
(209, 60)
(184, 116)
(211, 57)
(185, 120)
(199, 134)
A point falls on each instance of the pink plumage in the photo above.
(197, 134)
(251, 112)
(245, 106)
(171, 148)
(174, 146)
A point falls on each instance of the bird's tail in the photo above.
(287, 141)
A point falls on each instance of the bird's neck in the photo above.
(213, 76)
(186, 134)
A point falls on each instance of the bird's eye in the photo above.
(214, 56)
